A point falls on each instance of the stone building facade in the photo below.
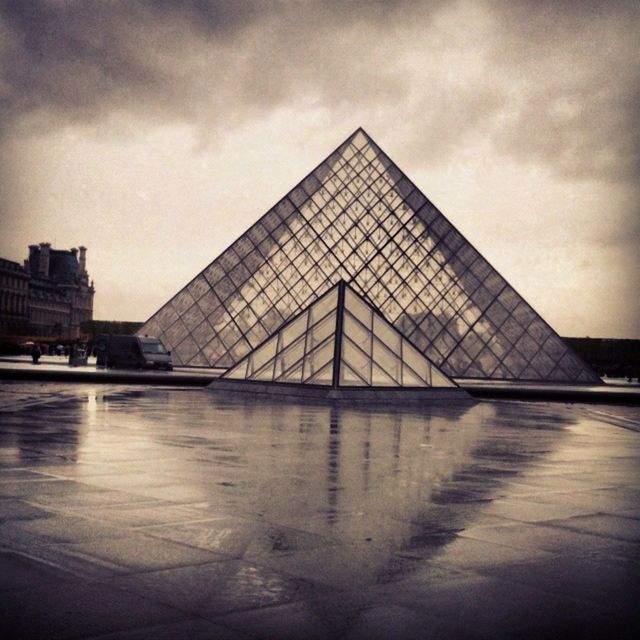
(14, 302)
(49, 296)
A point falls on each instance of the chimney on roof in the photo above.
(43, 263)
(33, 249)
(83, 260)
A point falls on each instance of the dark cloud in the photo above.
(75, 61)
(556, 82)
(575, 69)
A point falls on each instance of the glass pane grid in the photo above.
(364, 220)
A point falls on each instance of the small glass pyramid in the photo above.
(357, 217)
(339, 341)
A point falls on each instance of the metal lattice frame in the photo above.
(357, 217)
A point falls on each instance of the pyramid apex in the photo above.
(360, 137)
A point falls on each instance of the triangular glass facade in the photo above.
(340, 341)
(302, 351)
(358, 218)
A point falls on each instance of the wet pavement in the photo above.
(153, 512)
(57, 369)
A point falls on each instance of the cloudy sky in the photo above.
(155, 132)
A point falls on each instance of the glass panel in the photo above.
(293, 375)
(321, 331)
(356, 360)
(554, 347)
(242, 246)
(256, 334)
(538, 331)
(198, 287)
(246, 319)
(228, 260)
(193, 317)
(289, 357)
(203, 333)
(257, 233)
(487, 361)
(457, 360)
(570, 365)
(405, 324)
(387, 360)
(379, 378)
(439, 380)
(182, 301)
(239, 274)
(358, 308)
(260, 304)
(166, 316)
(497, 313)
(294, 330)
(357, 333)
(265, 374)
(324, 306)
(266, 352)
(494, 282)
(324, 376)
(527, 346)
(213, 273)
(543, 363)
(213, 350)
(498, 345)
(391, 309)
(481, 269)
(317, 359)
(416, 361)
(472, 344)
(271, 320)
(511, 329)
(482, 297)
(416, 200)
(230, 334)
(239, 372)
(523, 314)
(529, 374)
(186, 350)
(515, 362)
(350, 379)
(176, 333)
(240, 349)
(410, 379)
(224, 288)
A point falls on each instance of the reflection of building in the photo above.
(50, 296)
(357, 217)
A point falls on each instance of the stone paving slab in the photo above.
(169, 513)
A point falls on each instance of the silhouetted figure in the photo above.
(35, 353)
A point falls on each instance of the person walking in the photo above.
(35, 353)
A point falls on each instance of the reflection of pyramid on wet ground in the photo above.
(358, 218)
(339, 341)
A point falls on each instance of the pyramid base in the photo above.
(347, 395)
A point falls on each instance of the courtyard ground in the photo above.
(149, 512)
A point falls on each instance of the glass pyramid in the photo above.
(358, 218)
(371, 352)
